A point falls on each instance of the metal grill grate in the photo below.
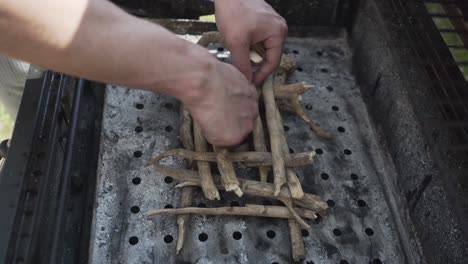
(422, 43)
(348, 174)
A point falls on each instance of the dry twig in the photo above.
(293, 181)
(297, 242)
(262, 189)
(279, 171)
(227, 171)
(260, 146)
(186, 193)
(249, 158)
(291, 90)
(248, 210)
(287, 66)
(208, 188)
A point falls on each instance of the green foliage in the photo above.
(449, 37)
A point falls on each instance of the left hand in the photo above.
(244, 23)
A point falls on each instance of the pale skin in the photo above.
(96, 40)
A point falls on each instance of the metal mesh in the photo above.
(349, 174)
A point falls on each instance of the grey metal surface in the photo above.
(350, 174)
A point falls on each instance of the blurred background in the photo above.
(6, 123)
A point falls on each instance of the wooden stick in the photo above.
(284, 106)
(258, 135)
(210, 37)
(287, 65)
(260, 146)
(262, 189)
(185, 133)
(248, 210)
(296, 106)
(289, 204)
(285, 68)
(249, 159)
(293, 181)
(279, 171)
(207, 184)
(182, 220)
(227, 171)
(185, 184)
(297, 242)
(291, 90)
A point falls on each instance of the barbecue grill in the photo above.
(390, 87)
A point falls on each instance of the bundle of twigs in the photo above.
(286, 186)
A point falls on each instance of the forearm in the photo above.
(98, 41)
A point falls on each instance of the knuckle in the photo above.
(283, 28)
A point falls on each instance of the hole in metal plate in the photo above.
(369, 231)
(337, 232)
(237, 235)
(377, 261)
(324, 176)
(135, 209)
(271, 234)
(139, 106)
(361, 203)
(133, 240)
(136, 180)
(168, 239)
(168, 179)
(203, 237)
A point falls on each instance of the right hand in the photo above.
(226, 106)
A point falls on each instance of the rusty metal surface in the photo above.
(351, 173)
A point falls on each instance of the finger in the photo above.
(254, 92)
(271, 62)
(240, 58)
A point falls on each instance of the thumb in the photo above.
(241, 59)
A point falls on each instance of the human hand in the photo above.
(225, 106)
(244, 23)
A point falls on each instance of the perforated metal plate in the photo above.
(349, 173)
